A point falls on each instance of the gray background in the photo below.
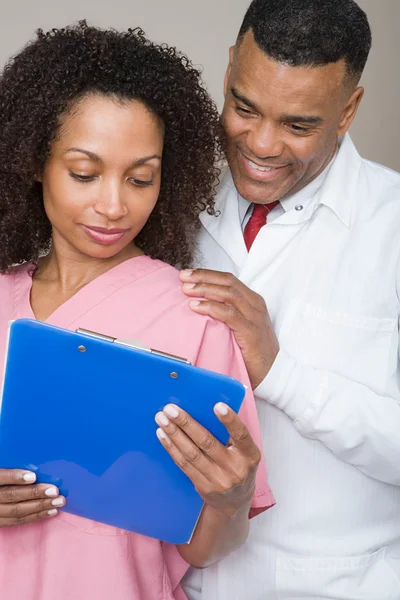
(204, 29)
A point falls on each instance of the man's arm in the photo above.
(356, 424)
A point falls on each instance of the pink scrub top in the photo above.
(70, 558)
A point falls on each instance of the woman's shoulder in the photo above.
(11, 284)
(157, 279)
(165, 272)
(165, 310)
(8, 279)
(170, 286)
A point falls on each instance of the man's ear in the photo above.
(350, 110)
(228, 69)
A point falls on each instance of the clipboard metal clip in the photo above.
(131, 344)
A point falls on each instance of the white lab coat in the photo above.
(330, 407)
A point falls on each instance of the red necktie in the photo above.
(257, 220)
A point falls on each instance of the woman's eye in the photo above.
(83, 178)
(141, 182)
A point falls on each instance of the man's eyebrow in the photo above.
(95, 158)
(244, 100)
(286, 118)
(302, 119)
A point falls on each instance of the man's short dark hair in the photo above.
(310, 32)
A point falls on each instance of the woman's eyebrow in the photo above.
(141, 161)
(91, 155)
(95, 158)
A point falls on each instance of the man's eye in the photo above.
(243, 111)
(82, 178)
(298, 128)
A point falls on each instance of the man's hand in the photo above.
(245, 312)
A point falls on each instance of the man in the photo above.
(314, 306)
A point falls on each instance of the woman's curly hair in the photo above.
(60, 67)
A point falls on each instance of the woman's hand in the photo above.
(224, 476)
(23, 501)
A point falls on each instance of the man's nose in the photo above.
(265, 141)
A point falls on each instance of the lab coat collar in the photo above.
(338, 191)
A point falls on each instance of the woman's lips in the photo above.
(104, 236)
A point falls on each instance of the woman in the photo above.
(107, 152)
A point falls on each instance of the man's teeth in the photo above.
(264, 169)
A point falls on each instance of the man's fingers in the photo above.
(229, 295)
(219, 278)
(226, 313)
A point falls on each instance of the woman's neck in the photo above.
(62, 273)
(70, 270)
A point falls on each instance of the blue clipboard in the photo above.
(78, 409)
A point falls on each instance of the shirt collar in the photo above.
(338, 190)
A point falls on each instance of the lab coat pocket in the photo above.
(352, 346)
(366, 577)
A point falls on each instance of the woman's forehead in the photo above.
(102, 123)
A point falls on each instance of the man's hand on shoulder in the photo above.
(225, 298)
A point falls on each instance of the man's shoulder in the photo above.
(380, 175)
(382, 187)
(377, 201)
(363, 188)
(353, 169)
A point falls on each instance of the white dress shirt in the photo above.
(328, 268)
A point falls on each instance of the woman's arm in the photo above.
(224, 476)
(217, 535)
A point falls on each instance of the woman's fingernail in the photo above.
(171, 411)
(29, 477)
(51, 491)
(194, 303)
(188, 286)
(162, 419)
(58, 502)
(162, 436)
(52, 512)
(221, 408)
(186, 273)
